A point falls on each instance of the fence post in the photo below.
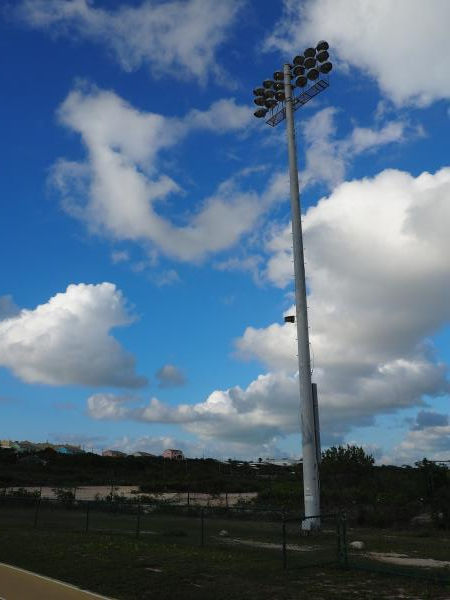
(87, 516)
(138, 520)
(36, 512)
(284, 540)
(202, 519)
(342, 540)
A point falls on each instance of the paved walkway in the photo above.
(18, 584)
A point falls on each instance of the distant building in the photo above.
(144, 454)
(113, 453)
(68, 449)
(283, 462)
(173, 454)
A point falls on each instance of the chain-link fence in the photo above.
(271, 532)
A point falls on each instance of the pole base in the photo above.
(310, 525)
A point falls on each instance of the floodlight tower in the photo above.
(276, 96)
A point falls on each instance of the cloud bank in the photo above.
(379, 287)
(175, 38)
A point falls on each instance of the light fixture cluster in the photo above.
(306, 67)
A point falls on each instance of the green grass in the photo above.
(167, 561)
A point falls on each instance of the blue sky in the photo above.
(146, 236)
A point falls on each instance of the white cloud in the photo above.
(120, 256)
(68, 340)
(178, 38)
(379, 282)
(431, 442)
(257, 416)
(116, 190)
(327, 158)
(393, 42)
(170, 376)
(167, 277)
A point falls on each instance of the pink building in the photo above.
(173, 454)
(113, 453)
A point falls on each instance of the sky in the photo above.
(145, 226)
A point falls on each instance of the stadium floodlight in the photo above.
(309, 71)
(312, 74)
(258, 91)
(261, 112)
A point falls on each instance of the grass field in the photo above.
(167, 560)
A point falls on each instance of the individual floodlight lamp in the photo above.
(293, 87)
(312, 74)
(298, 70)
(310, 62)
(261, 112)
(301, 81)
(259, 91)
(325, 68)
(259, 100)
(322, 45)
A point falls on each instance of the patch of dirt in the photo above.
(267, 545)
(407, 561)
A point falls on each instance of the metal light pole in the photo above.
(307, 67)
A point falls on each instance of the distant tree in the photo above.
(347, 456)
(64, 496)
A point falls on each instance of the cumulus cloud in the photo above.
(67, 340)
(179, 38)
(170, 376)
(257, 416)
(382, 38)
(327, 157)
(379, 287)
(116, 190)
(429, 439)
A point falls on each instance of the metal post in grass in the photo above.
(202, 525)
(87, 517)
(283, 529)
(36, 512)
(138, 520)
(342, 540)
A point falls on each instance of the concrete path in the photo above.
(18, 584)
